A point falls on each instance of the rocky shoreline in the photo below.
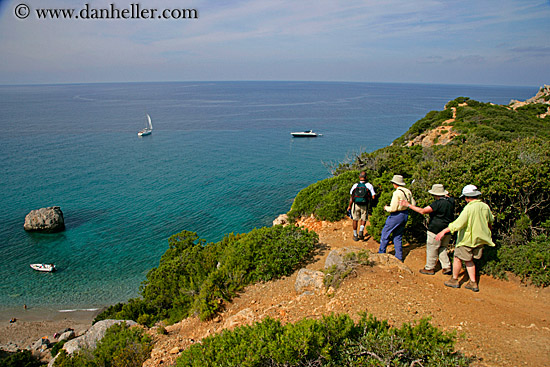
(32, 325)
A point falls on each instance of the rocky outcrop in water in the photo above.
(47, 220)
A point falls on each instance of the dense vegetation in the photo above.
(506, 153)
(333, 341)
(122, 346)
(20, 359)
(198, 278)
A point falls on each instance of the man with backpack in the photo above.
(361, 195)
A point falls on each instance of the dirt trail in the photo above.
(505, 324)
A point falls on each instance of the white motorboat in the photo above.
(148, 127)
(305, 134)
(44, 267)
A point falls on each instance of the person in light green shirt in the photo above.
(474, 232)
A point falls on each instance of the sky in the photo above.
(479, 42)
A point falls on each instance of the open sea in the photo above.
(220, 159)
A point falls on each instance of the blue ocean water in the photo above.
(220, 160)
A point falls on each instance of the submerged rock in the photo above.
(47, 220)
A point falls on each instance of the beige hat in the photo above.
(398, 180)
(438, 190)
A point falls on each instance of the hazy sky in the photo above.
(497, 42)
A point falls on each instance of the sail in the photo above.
(150, 123)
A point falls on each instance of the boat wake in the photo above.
(80, 309)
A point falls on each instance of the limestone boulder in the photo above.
(310, 281)
(243, 317)
(67, 335)
(93, 335)
(390, 261)
(47, 220)
(336, 257)
(281, 219)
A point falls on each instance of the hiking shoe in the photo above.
(355, 238)
(447, 271)
(361, 237)
(453, 283)
(472, 286)
(426, 271)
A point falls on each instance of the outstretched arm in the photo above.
(426, 210)
(441, 234)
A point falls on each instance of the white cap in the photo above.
(470, 191)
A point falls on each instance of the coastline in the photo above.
(34, 323)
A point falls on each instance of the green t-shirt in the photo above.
(473, 225)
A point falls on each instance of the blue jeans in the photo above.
(395, 224)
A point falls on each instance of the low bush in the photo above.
(197, 278)
(326, 199)
(524, 252)
(57, 347)
(334, 340)
(122, 346)
(20, 359)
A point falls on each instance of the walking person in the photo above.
(361, 195)
(474, 232)
(441, 213)
(396, 221)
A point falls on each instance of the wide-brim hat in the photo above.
(470, 191)
(398, 180)
(438, 190)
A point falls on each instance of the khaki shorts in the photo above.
(466, 253)
(359, 212)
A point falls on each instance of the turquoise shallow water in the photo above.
(220, 160)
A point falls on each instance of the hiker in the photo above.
(441, 213)
(396, 221)
(474, 226)
(361, 195)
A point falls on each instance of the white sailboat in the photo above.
(148, 127)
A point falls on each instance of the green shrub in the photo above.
(332, 341)
(122, 346)
(534, 108)
(326, 199)
(523, 253)
(20, 359)
(57, 347)
(197, 278)
(263, 254)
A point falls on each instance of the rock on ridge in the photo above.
(542, 96)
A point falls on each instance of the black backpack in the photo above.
(361, 194)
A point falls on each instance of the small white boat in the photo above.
(44, 267)
(305, 134)
(148, 127)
